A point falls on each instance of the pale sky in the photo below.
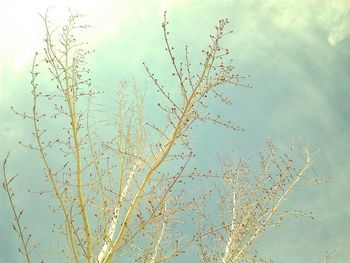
(297, 54)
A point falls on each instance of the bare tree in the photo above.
(118, 197)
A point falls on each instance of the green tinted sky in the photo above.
(297, 54)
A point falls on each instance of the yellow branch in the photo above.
(49, 170)
(72, 114)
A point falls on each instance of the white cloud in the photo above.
(302, 16)
(334, 16)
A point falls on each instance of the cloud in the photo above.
(340, 31)
(333, 17)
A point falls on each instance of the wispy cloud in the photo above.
(330, 16)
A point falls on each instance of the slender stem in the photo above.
(17, 216)
(70, 98)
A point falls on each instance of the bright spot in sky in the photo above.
(22, 30)
(22, 27)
